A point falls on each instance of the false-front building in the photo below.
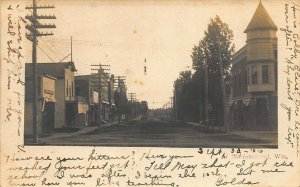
(64, 112)
(254, 76)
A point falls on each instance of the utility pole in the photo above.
(99, 73)
(223, 89)
(171, 108)
(110, 96)
(200, 103)
(206, 88)
(32, 36)
(132, 97)
(175, 104)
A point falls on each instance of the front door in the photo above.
(48, 118)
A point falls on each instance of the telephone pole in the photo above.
(32, 36)
(132, 97)
(225, 119)
(171, 107)
(100, 71)
(175, 105)
(206, 89)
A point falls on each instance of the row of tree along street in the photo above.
(232, 89)
(201, 95)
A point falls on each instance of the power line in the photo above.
(52, 50)
(48, 50)
(113, 44)
(46, 54)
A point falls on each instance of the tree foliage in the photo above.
(217, 40)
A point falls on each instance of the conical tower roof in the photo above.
(261, 20)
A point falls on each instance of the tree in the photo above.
(120, 97)
(217, 41)
(183, 93)
(144, 107)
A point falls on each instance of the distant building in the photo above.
(89, 85)
(84, 89)
(45, 105)
(81, 112)
(254, 76)
(64, 90)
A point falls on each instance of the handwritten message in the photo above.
(146, 168)
(13, 63)
(292, 73)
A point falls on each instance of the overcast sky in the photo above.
(124, 33)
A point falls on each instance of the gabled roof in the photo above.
(261, 20)
(239, 55)
(56, 70)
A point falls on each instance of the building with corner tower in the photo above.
(254, 76)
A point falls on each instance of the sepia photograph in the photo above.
(149, 93)
(151, 74)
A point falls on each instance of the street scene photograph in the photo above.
(152, 73)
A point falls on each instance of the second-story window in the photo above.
(254, 75)
(265, 74)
